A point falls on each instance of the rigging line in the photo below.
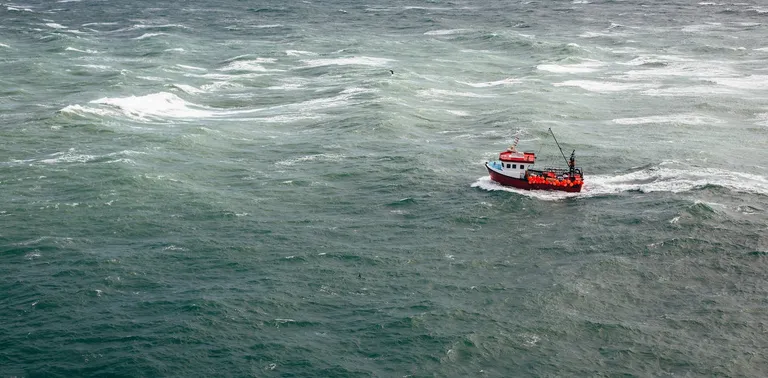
(542, 157)
(558, 146)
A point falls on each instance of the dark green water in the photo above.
(243, 189)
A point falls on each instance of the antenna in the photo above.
(558, 146)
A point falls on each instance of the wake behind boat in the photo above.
(515, 169)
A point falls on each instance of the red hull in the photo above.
(523, 183)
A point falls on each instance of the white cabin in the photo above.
(515, 164)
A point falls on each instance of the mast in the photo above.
(513, 147)
(558, 146)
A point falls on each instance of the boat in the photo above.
(515, 169)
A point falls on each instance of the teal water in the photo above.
(244, 189)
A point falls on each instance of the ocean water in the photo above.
(242, 188)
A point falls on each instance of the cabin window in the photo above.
(508, 166)
(522, 166)
(514, 165)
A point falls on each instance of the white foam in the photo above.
(651, 59)
(123, 160)
(603, 86)
(709, 26)
(4, 45)
(55, 25)
(530, 340)
(746, 82)
(695, 90)
(269, 26)
(99, 23)
(656, 179)
(427, 8)
(459, 113)
(372, 9)
(692, 69)
(80, 110)
(298, 53)
(155, 105)
(32, 256)
(359, 60)
(220, 85)
(19, 162)
(591, 34)
(341, 99)
(151, 78)
(286, 86)
(507, 81)
(191, 67)
(257, 60)
(72, 156)
(486, 183)
(12, 8)
(675, 180)
(89, 51)
(165, 105)
(445, 32)
(149, 35)
(761, 119)
(95, 66)
(475, 51)
(288, 118)
(684, 119)
(187, 88)
(441, 93)
(317, 157)
(620, 50)
(176, 49)
(69, 157)
(165, 26)
(583, 67)
(249, 65)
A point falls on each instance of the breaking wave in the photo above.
(163, 106)
(583, 67)
(143, 108)
(359, 60)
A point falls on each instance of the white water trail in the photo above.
(648, 180)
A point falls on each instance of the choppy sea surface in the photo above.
(243, 188)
